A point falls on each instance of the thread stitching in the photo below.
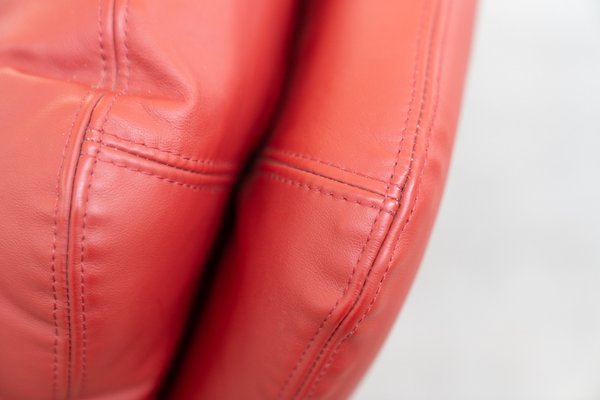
(356, 326)
(54, 248)
(104, 144)
(329, 164)
(287, 165)
(88, 190)
(338, 301)
(318, 189)
(99, 84)
(369, 238)
(208, 186)
(101, 46)
(182, 156)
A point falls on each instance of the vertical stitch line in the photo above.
(126, 45)
(82, 269)
(432, 123)
(68, 296)
(53, 256)
(419, 38)
(413, 91)
(114, 51)
(101, 46)
(88, 195)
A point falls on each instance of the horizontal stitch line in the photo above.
(308, 171)
(182, 156)
(318, 189)
(212, 187)
(330, 164)
(104, 144)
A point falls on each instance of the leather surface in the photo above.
(123, 125)
(116, 158)
(334, 220)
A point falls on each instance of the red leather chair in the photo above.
(124, 127)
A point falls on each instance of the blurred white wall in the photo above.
(507, 302)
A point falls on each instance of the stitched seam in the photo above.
(54, 248)
(86, 122)
(126, 46)
(408, 114)
(329, 164)
(101, 46)
(267, 159)
(318, 189)
(84, 223)
(355, 266)
(114, 81)
(122, 150)
(68, 296)
(207, 186)
(82, 261)
(182, 156)
(432, 122)
(338, 301)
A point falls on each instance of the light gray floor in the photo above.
(507, 303)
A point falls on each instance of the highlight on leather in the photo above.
(126, 129)
(333, 221)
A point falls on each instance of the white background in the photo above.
(507, 302)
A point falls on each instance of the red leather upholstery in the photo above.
(123, 124)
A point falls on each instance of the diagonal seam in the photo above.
(369, 238)
(371, 304)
